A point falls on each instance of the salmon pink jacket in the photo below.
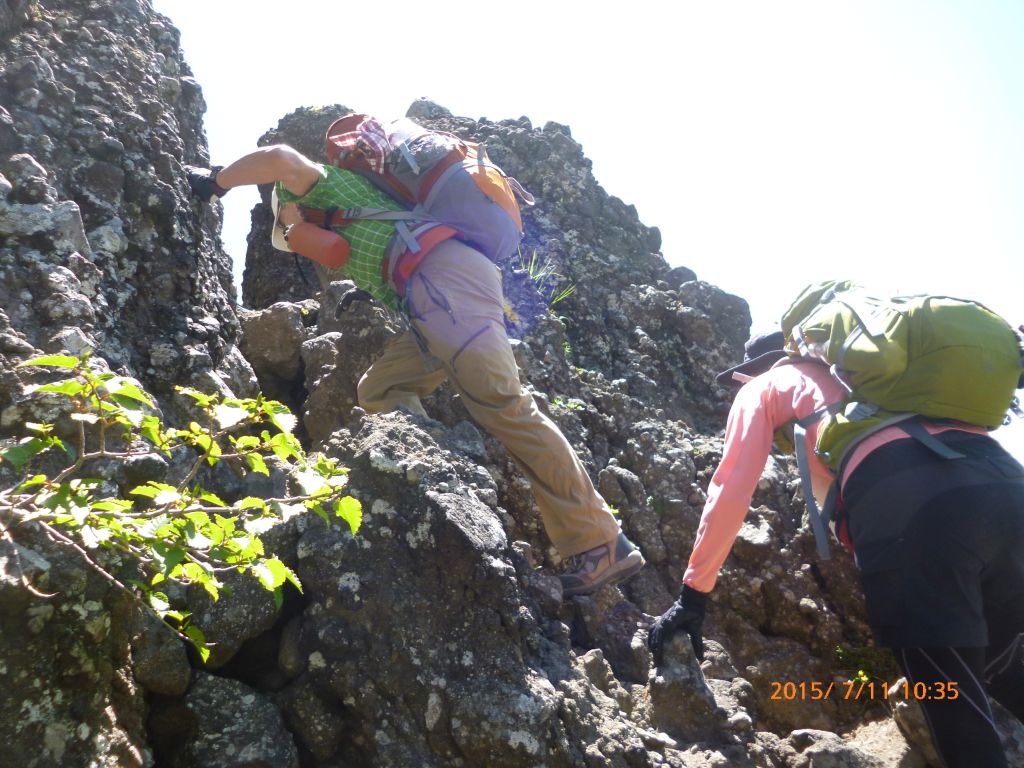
(763, 405)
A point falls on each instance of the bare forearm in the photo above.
(271, 164)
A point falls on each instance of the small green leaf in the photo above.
(259, 525)
(280, 416)
(257, 464)
(88, 418)
(226, 524)
(252, 502)
(216, 536)
(19, 455)
(201, 440)
(146, 490)
(159, 602)
(311, 483)
(125, 388)
(112, 505)
(228, 416)
(198, 516)
(214, 451)
(248, 547)
(247, 443)
(70, 451)
(293, 579)
(32, 482)
(288, 511)
(130, 413)
(78, 513)
(196, 538)
(321, 512)
(202, 399)
(69, 387)
(57, 361)
(272, 573)
(151, 429)
(212, 498)
(161, 493)
(195, 572)
(168, 558)
(285, 446)
(198, 640)
(351, 511)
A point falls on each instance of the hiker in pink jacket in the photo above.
(939, 545)
(452, 300)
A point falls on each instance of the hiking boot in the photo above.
(600, 567)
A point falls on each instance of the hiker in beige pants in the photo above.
(455, 306)
(456, 311)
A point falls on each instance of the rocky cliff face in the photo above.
(437, 635)
(102, 247)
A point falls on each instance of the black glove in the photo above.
(203, 182)
(686, 613)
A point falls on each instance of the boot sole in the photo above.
(625, 568)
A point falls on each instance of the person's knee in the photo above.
(366, 394)
(285, 157)
(292, 168)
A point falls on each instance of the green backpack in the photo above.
(900, 357)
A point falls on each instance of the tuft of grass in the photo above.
(546, 278)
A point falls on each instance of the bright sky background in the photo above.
(773, 144)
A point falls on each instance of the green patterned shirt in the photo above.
(369, 240)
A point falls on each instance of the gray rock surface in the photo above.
(437, 635)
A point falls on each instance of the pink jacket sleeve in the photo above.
(762, 406)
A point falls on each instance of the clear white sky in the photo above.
(771, 143)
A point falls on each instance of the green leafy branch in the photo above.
(174, 532)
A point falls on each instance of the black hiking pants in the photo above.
(940, 547)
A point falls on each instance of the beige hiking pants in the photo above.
(455, 305)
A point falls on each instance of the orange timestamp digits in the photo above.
(862, 690)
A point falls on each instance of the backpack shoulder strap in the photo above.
(340, 217)
(916, 430)
(819, 519)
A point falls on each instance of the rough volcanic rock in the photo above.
(437, 634)
(101, 246)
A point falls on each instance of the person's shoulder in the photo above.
(357, 189)
(796, 375)
(797, 368)
(786, 371)
(810, 377)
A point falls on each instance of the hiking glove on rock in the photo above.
(686, 613)
(203, 182)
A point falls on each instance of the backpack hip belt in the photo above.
(401, 261)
